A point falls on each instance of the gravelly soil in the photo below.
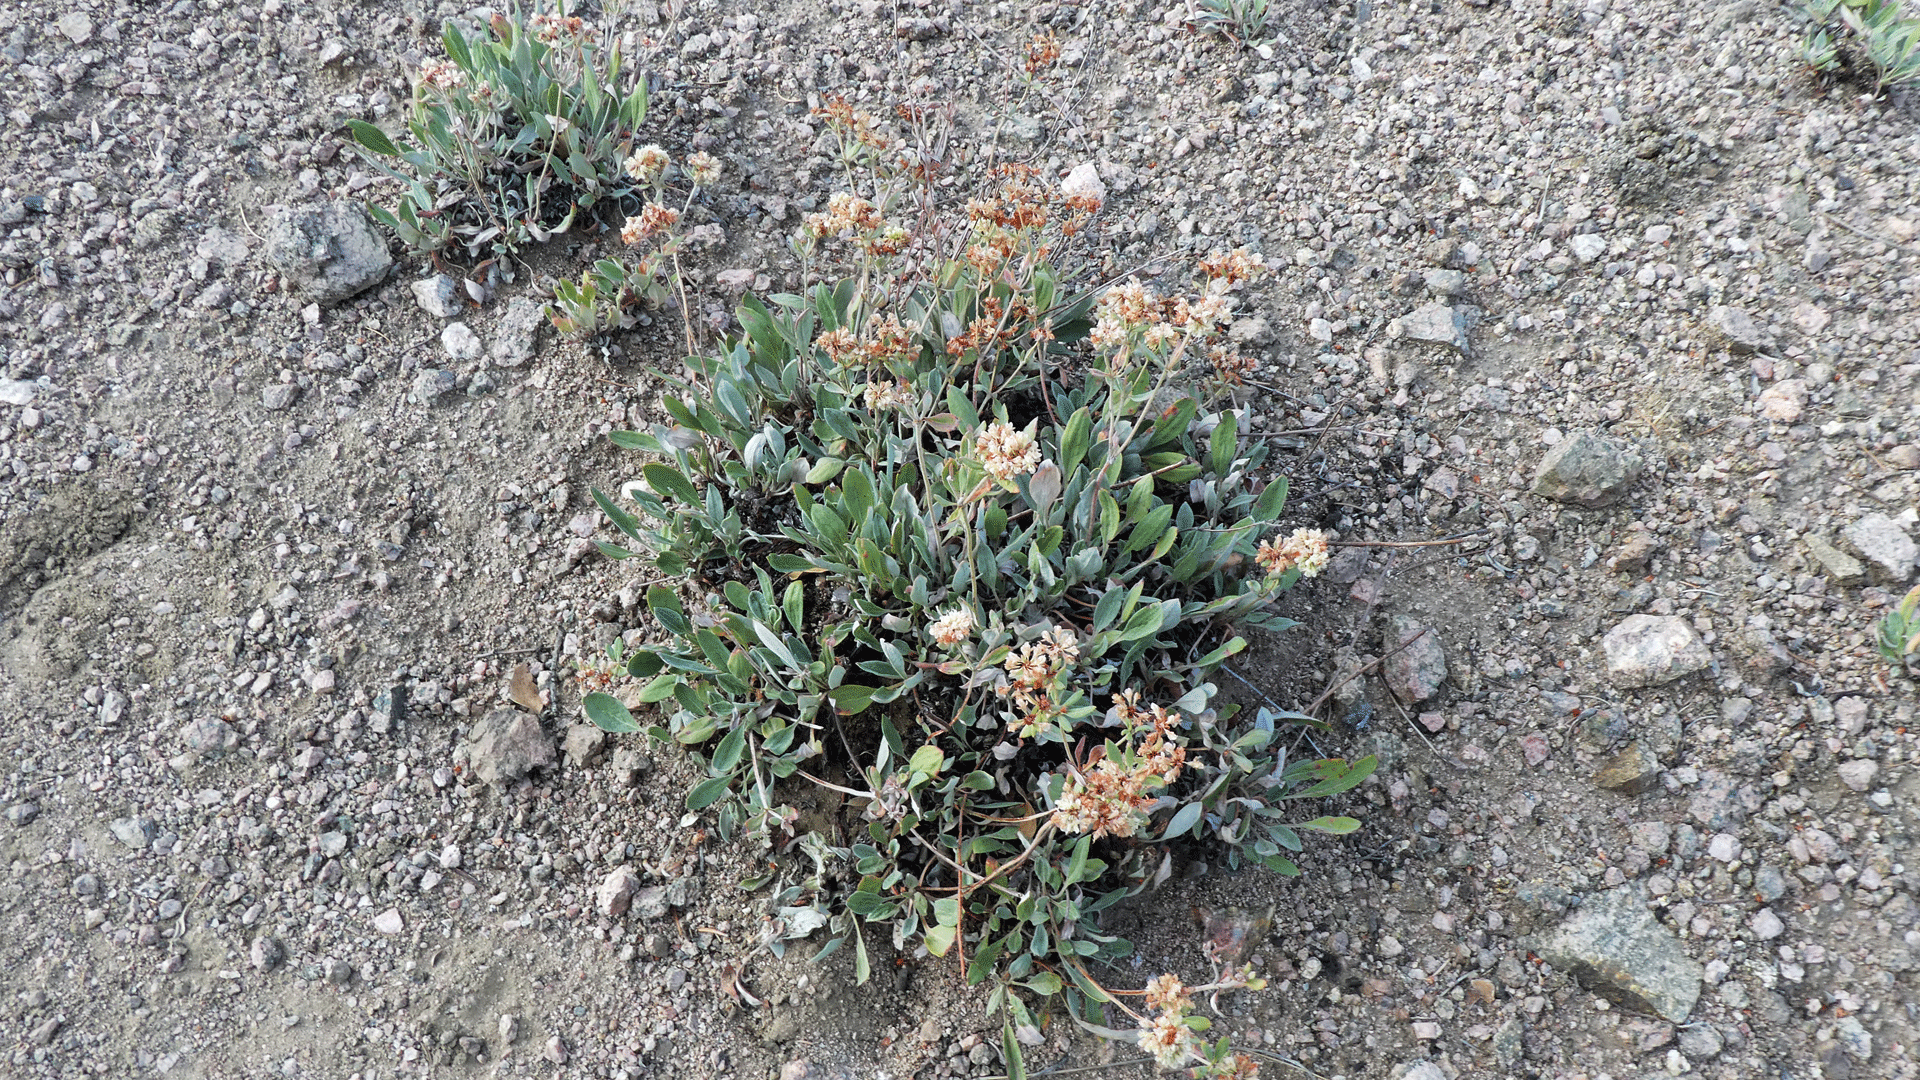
(229, 854)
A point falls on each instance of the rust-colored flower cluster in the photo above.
(549, 28)
(652, 220)
(1113, 797)
(861, 127)
(885, 340)
(1042, 51)
(849, 214)
(1305, 550)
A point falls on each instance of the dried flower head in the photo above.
(1005, 452)
(1165, 993)
(549, 28)
(887, 395)
(954, 627)
(703, 167)
(839, 344)
(654, 219)
(1305, 550)
(442, 75)
(1169, 1041)
(647, 163)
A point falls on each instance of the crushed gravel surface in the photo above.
(274, 536)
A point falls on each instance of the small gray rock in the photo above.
(1420, 1070)
(432, 384)
(1766, 925)
(1253, 331)
(1587, 470)
(1653, 650)
(1633, 771)
(332, 844)
(1769, 883)
(506, 745)
(514, 337)
(23, 813)
(1615, 948)
(339, 972)
(1436, 323)
(1885, 545)
(1445, 283)
(651, 902)
(327, 253)
(1843, 568)
(280, 396)
(1588, 246)
(135, 832)
(266, 953)
(1858, 774)
(1701, 1042)
(438, 295)
(584, 744)
(17, 392)
(389, 921)
(1419, 668)
(461, 342)
(615, 895)
(1738, 330)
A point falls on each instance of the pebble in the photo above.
(1784, 401)
(1653, 650)
(328, 252)
(514, 336)
(1418, 669)
(1737, 330)
(389, 921)
(438, 296)
(432, 384)
(1885, 545)
(1436, 323)
(506, 745)
(1587, 469)
(1633, 771)
(1858, 774)
(1615, 947)
(17, 392)
(266, 953)
(555, 1050)
(615, 894)
(461, 342)
(278, 397)
(1766, 925)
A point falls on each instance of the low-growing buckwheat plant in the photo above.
(612, 288)
(965, 546)
(519, 134)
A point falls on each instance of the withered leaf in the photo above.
(524, 693)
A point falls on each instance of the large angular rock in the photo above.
(1653, 650)
(1419, 668)
(1616, 949)
(506, 745)
(1587, 470)
(1883, 542)
(329, 252)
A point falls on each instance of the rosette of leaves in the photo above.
(825, 533)
(518, 135)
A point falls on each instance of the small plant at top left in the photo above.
(519, 134)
